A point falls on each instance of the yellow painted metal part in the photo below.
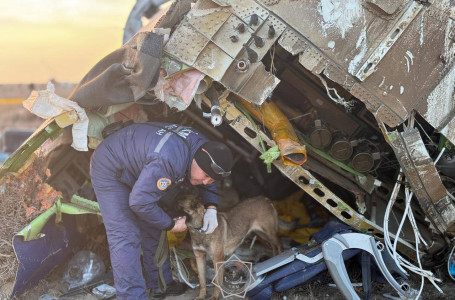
(292, 152)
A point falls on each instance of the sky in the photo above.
(59, 39)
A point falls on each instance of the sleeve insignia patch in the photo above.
(163, 183)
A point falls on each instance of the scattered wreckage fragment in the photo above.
(362, 67)
(334, 78)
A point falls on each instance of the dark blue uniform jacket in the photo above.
(151, 161)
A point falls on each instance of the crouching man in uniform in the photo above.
(137, 170)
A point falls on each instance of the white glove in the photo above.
(210, 221)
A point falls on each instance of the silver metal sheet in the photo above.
(246, 8)
(213, 61)
(369, 66)
(208, 21)
(313, 60)
(186, 43)
(345, 31)
(412, 68)
(260, 86)
(234, 80)
(262, 32)
(421, 173)
(387, 6)
(292, 42)
(222, 37)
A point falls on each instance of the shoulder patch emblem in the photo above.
(163, 183)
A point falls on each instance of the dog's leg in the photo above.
(200, 262)
(217, 256)
(272, 237)
(193, 265)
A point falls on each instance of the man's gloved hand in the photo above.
(210, 221)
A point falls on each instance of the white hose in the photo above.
(400, 261)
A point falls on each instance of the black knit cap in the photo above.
(220, 154)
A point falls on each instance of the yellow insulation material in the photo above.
(292, 208)
(292, 153)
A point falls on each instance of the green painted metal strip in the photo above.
(86, 204)
(32, 231)
(48, 129)
(326, 156)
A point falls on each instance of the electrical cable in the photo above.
(401, 262)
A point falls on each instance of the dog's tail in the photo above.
(283, 225)
(275, 213)
(288, 226)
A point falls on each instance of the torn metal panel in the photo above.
(246, 8)
(223, 37)
(222, 2)
(369, 66)
(203, 40)
(384, 114)
(425, 182)
(336, 74)
(439, 109)
(313, 60)
(213, 61)
(262, 32)
(412, 68)
(307, 182)
(360, 92)
(260, 86)
(254, 84)
(174, 14)
(387, 6)
(292, 42)
(348, 38)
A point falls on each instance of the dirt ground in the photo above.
(321, 287)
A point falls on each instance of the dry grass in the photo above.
(21, 202)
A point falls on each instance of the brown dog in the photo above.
(252, 215)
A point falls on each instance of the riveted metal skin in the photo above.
(395, 56)
(186, 43)
(222, 37)
(209, 21)
(213, 61)
(292, 42)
